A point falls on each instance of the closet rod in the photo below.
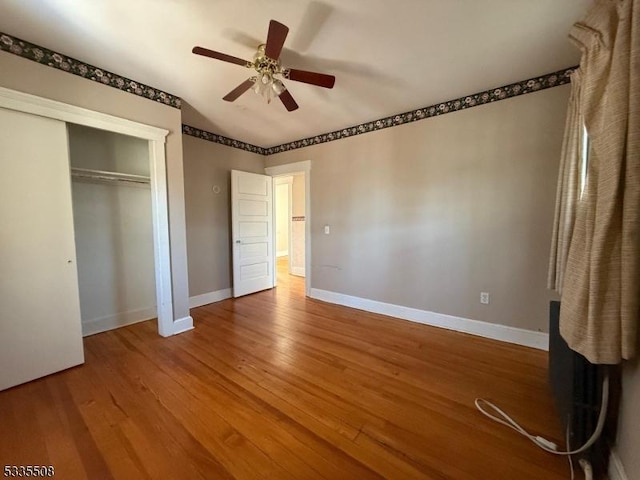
(103, 175)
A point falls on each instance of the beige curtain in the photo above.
(601, 288)
(569, 183)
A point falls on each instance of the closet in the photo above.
(113, 228)
(83, 231)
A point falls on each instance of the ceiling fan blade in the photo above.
(313, 78)
(275, 39)
(220, 56)
(288, 101)
(239, 90)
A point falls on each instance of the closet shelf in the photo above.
(105, 176)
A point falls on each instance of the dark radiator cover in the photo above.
(577, 387)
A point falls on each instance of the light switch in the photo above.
(327, 230)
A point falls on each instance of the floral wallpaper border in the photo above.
(53, 59)
(523, 87)
(214, 137)
(531, 85)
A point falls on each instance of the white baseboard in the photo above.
(182, 325)
(282, 253)
(210, 297)
(298, 271)
(504, 333)
(616, 469)
(109, 322)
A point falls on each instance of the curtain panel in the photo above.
(601, 287)
(569, 183)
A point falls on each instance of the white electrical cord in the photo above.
(567, 442)
(586, 468)
(543, 443)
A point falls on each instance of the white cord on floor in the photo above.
(567, 442)
(543, 443)
(586, 468)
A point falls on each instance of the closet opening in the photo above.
(113, 228)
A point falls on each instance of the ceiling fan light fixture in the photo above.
(278, 87)
(268, 87)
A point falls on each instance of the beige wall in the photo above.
(208, 214)
(297, 196)
(429, 214)
(30, 77)
(628, 443)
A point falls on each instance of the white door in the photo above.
(252, 232)
(40, 327)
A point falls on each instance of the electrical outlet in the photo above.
(327, 229)
(484, 298)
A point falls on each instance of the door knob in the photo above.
(238, 241)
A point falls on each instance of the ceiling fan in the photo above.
(266, 62)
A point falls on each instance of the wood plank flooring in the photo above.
(278, 386)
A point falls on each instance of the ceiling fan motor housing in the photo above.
(265, 65)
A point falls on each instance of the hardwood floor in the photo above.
(278, 386)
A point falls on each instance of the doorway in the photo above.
(282, 189)
(292, 225)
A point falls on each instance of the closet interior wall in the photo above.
(113, 228)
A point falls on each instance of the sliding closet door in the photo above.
(40, 330)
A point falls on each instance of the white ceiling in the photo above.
(388, 56)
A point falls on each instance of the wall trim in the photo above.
(44, 107)
(210, 297)
(503, 333)
(221, 139)
(289, 168)
(122, 319)
(616, 468)
(182, 325)
(49, 58)
(287, 180)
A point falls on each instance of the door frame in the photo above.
(291, 169)
(32, 104)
